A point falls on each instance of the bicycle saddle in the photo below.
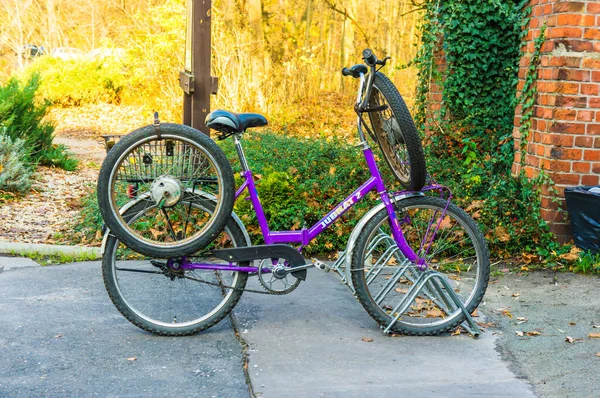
(229, 122)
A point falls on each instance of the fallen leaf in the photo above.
(572, 323)
(596, 326)
(367, 339)
(457, 332)
(571, 340)
(598, 354)
(520, 318)
(132, 359)
(516, 294)
(519, 333)
(594, 335)
(58, 336)
(533, 333)
(434, 313)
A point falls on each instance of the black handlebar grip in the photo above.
(369, 57)
(347, 72)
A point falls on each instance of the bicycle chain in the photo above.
(237, 288)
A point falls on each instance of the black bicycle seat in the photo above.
(229, 122)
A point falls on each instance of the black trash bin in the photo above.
(583, 204)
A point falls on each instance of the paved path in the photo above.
(61, 336)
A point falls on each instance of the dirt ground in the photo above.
(549, 327)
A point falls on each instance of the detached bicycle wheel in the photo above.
(157, 296)
(451, 244)
(396, 134)
(168, 174)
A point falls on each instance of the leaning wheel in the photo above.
(160, 297)
(396, 134)
(451, 244)
(166, 172)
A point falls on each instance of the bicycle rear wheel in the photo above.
(396, 134)
(166, 172)
(167, 301)
(383, 277)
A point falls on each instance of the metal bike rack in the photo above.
(432, 284)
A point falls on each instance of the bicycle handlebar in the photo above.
(369, 57)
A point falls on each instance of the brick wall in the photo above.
(564, 140)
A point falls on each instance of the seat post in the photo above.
(240, 152)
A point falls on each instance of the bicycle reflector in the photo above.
(132, 191)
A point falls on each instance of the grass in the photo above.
(55, 258)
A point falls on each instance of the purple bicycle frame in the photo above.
(304, 236)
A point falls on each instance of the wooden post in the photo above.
(196, 80)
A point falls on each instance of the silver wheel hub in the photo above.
(166, 189)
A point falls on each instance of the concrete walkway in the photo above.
(61, 336)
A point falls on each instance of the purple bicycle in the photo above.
(416, 262)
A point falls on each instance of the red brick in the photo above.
(594, 102)
(530, 172)
(590, 180)
(564, 33)
(591, 154)
(591, 33)
(515, 169)
(581, 167)
(547, 47)
(564, 128)
(569, 20)
(589, 89)
(593, 7)
(597, 44)
(547, 202)
(540, 150)
(574, 74)
(596, 75)
(565, 178)
(551, 21)
(566, 153)
(555, 165)
(532, 160)
(593, 129)
(569, 6)
(588, 20)
(596, 168)
(591, 63)
(584, 141)
(585, 116)
(573, 45)
(562, 232)
(571, 102)
(597, 142)
(564, 88)
(541, 126)
(574, 62)
(564, 114)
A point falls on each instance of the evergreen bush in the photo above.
(21, 117)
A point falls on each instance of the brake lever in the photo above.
(382, 62)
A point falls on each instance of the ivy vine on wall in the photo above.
(471, 51)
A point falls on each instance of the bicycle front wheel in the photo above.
(164, 300)
(167, 172)
(396, 134)
(451, 244)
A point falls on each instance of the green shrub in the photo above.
(78, 82)
(21, 116)
(15, 175)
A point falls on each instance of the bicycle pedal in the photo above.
(321, 265)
